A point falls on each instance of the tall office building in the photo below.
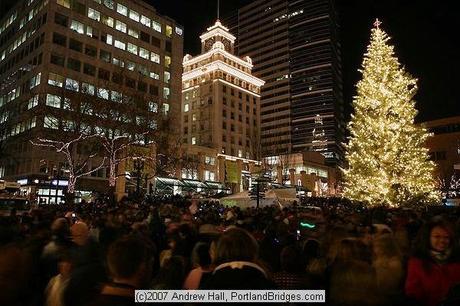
(220, 109)
(62, 59)
(295, 50)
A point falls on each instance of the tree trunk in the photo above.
(112, 175)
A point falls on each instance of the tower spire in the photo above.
(218, 9)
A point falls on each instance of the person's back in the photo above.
(292, 276)
(236, 258)
(129, 262)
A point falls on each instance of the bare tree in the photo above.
(76, 166)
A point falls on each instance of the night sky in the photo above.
(424, 34)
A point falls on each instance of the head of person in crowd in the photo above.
(236, 244)
(130, 261)
(291, 260)
(60, 229)
(201, 256)
(353, 249)
(436, 242)
(79, 233)
(171, 274)
(385, 246)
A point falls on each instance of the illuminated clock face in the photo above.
(209, 43)
(227, 44)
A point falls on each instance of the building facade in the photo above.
(295, 49)
(444, 146)
(61, 60)
(220, 109)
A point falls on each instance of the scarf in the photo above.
(440, 257)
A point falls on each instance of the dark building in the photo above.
(295, 49)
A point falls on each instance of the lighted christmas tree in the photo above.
(387, 158)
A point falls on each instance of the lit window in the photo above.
(118, 62)
(145, 21)
(134, 15)
(132, 48)
(89, 31)
(166, 92)
(209, 160)
(156, 26)
(168, 31)
(165, 108)
(155, 57)
(71, 85)
(66, 103)
(87, 88)
(116, 96)
(64, 3)
(35, 81)
(109, 39)
(120, 45)
(154, 75)
(56, 80)
(120, 26)
(77, 27)
(121, 9)
(53, 101)
(194, 117)
(134, 33)
(167, 77)
(107, 21)
(130, 65)
(32, 102)
(209, 175)
(144, 53)
(103, 93)
(153, 107)
(93, 14)
(109, 4)
(193, 140)
(51, 122)
(179, 31)
(186, 108)
(167, 61)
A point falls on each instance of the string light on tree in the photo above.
(386, 154)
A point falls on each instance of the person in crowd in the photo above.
(172, 274)
(388, 264)
(54, 292)
(352, 270)
(236, 259)
(434, 267)
(129, 262)
(315, 264)
(13, 275)
(88, 271)
(292, 275)
(60, 242)
(202, 266)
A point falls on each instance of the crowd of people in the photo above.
(98, 253)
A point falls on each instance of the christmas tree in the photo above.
(387, 158)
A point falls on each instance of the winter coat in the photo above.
(428, 282)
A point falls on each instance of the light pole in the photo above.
(138, 164)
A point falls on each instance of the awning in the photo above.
(216, 185)
(167, 182)
(194, 184)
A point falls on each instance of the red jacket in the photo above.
(430, 287)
